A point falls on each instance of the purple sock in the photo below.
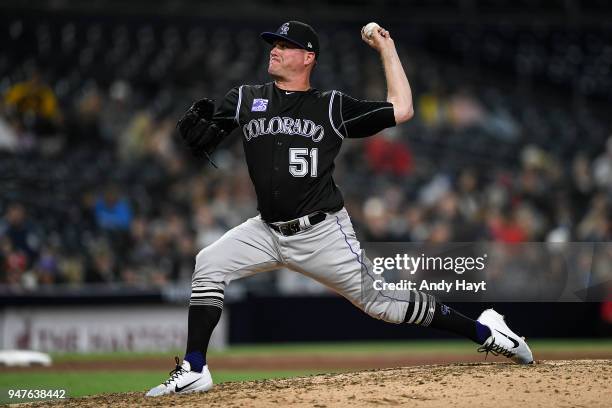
(482, 332)
(196, 359)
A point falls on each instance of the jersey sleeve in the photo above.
(354, 118)
(226, 115)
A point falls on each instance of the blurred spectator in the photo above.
(377, 220)
(506, 227)
(164, 263)
(207, 229)
(72, 268)
(432, 109)
(434, 190)
(469, 200)
(602, 168)
(14, 262)
(464, 110)
(9, 138)
(134, 141)
(453, 225)
(536, 182)
(101, 266)
(418, 230)
(83, 122)
(185, 258)
(35, 102)
(160, 143)
(113, 212)
(21, 233)
(47, 268)
(386, 155)
(595, 226)
(117, 110)
(441, 233)
(141, 248)
(582, 186)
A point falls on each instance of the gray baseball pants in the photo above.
(328, 252)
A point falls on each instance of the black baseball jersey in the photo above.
(291, 139)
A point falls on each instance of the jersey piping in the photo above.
(237, 116)
(331, 119)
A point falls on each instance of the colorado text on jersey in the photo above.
(286, 125)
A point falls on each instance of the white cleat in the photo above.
(183, 381)
(503, 340)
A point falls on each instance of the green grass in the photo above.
(78, 384)
(351, 348)
(346, 348)
(82, 383)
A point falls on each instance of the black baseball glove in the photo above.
(198, 131)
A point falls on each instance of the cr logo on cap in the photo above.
(284, 29)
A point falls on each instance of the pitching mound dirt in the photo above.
(546, 384)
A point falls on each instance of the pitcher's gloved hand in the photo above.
(198, 130)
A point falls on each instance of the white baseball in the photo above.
(368, 30)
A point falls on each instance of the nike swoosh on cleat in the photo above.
(516, 343)
(179, 389)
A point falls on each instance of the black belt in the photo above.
(294, 226)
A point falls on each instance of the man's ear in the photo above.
(309, 58)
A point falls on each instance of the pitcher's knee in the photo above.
(207, 284)
(208, 266)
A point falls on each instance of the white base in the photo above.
(23, 358)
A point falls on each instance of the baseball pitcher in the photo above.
(292, 134)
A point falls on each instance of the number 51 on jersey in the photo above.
(299, 165)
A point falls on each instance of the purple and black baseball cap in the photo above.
(295, 32)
